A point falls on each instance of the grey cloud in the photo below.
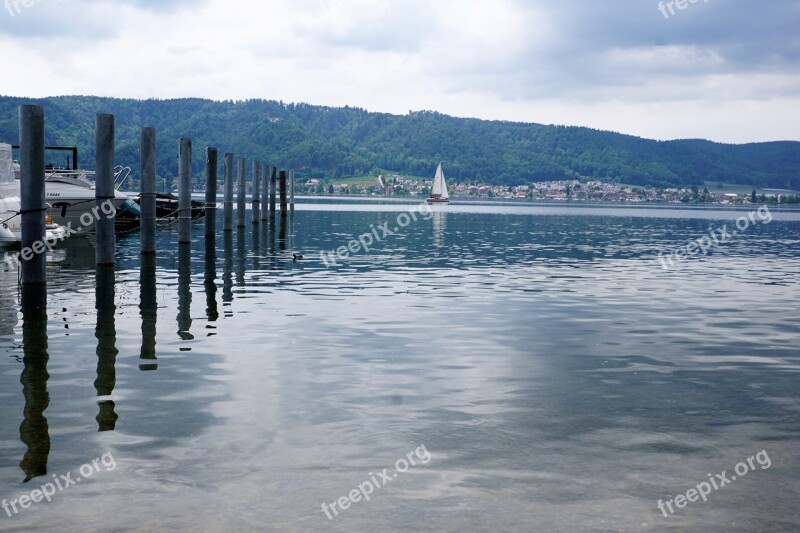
(737, 37)
(84, 20)
(393, 26)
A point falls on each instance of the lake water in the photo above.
(538, 365)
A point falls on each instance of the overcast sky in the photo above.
(728, 70)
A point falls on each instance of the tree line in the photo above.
(329, 143)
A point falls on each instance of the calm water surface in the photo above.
(559, 377)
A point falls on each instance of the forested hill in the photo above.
(326, 142)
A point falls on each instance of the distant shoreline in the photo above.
(307, 199)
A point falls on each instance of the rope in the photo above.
(15, 215)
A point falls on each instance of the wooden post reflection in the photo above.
(148, 308)
(282, 234)
(106, 346)
(263, 238)
(185, 292)
(241, 255)
(227, 271)
(209, 282)
(256, 247)
(34, 430)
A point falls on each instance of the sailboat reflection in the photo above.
(185, 291)
(34, 430)
(106, 347)
(439, 227)
(148, 308)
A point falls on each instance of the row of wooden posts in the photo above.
(268, 183)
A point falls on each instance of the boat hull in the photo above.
(7, 238)
(167, 207)
(71, 206)
(438, 200)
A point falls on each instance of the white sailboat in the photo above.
(439, 195)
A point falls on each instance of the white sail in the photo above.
(439, 184)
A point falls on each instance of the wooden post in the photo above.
(265, 179)
(228, 205)
(241, 193)
(272, 190)
(211, 192)
(104, 189)
(291, 190)
(147, 194)
(256, 192)
(32, 208)
(185, 192)
(282, 180)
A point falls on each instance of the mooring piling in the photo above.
(104, 190)
(265, 179)
(147, 189)
(32, 208)
(291, 190)
(241, 204)
(282, 180)
(185, 192)
(211, 192)
(272, 190)
(256, 192)
(228, 202)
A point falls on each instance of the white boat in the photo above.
(71, 194)
(439, 195)
(11, 205)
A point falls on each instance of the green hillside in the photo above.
(332, 143)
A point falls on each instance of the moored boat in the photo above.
(11, 205)
(71, 194)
